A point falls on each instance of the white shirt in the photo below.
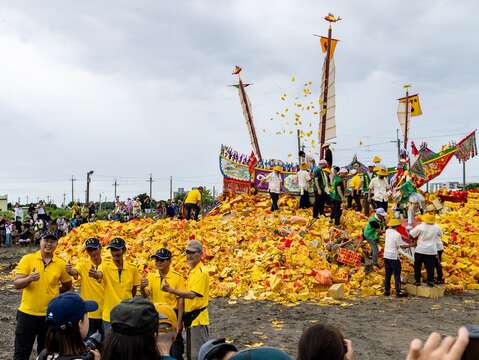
(18, 213)
(428, 235)
(303, 179)
(439, 244)
(274, 182)
(393, 241)
(380, 189)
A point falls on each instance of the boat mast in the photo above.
(248, 115)
(324, 111)
(407, 117)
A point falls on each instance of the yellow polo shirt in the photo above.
(37, 295)
(356, 182)
(174, 279)
(90, 288)
(117, 287)
(193, 197)
(198, 282)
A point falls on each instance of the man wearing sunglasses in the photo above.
(196, 295)
(91, 287)
(151, 288)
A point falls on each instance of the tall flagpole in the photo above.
(407, 117)
(324, 112)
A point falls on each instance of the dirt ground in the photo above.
(380, 328)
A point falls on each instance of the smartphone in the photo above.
(472, 350)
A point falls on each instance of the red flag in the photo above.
(252, 162)
(415, 151)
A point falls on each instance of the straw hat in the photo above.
(327, 170)
(303, 166)
(394, 222)
(382, 172)
(428, 218)
(376, 159)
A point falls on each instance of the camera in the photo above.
(93, 342)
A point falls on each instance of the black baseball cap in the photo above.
(49, 236)
(213, 347)
(162, 254)
(135, 316)
(117, 243)
(92, 243)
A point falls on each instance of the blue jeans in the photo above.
(8, 239)
(392, 267)
(374, 248)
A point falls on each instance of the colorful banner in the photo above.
(467, 147)
(422, 172)
(414, 104)
(234, 170)
(289, 183)
(236, 186)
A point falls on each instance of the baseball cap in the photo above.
(49, 236)
(66, 309)
(381, 212)
(170, 321)
(210, 348)
(194, 245)
(162, 254)
(261, 353)
(117, 243)
(92, 243)
(135, 316)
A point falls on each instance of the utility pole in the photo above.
(463, 175)
(64, 200)
(99, 203)
(27, 199)
(88, 180)
(73, 197)
(115, 184)
(407, 116)
(214, 192)
(299, 144)
(171, 188)
(150, 180)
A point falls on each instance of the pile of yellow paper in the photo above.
(254, 254)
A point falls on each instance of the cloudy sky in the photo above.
(129, 88)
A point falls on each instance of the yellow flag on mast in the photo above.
(414, 104)
(324, 45)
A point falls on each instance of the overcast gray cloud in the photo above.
(129, 88)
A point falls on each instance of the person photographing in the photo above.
(68, 323)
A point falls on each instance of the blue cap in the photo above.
(162, 254)
(213, 347)
(261, 353)
(67, 309)
(117, 243)
(92, 243)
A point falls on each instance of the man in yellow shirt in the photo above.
(41, 276)
(151, 288)
(196, 297)
(91, 287)
(193, 202)
(356, 183)
(120, 279)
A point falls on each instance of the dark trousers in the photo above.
(28, 328)
(274, 201)
(336, 211)
(392, 267)
(357, 200)
(366, 204)
(319, 201)
(428, 260)
(178, 347)
(192, 208)
(380, 204)
(349, 201)
(94, 326)
(304, 200)
(438, 267)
